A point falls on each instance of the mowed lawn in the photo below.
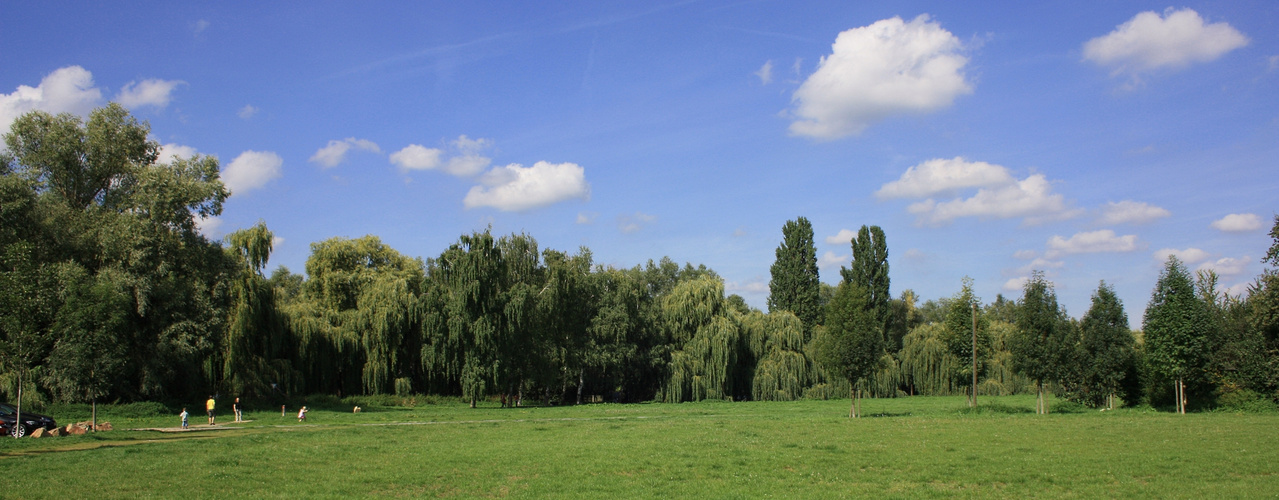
(905, 448)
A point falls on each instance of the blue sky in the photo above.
(1087, 140)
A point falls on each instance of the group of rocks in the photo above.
(75, 429)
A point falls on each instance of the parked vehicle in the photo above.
(30, 420)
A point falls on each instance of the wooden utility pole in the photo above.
(973, 403)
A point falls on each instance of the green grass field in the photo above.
(904, 448)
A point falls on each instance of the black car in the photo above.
(30, 421)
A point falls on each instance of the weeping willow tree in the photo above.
(783, 370)
(387, 311)
(928, 367)
(256, 347)
(707, 341)
(1001, 378)
(462, 343)
(359, 330)
(323, 347)
(887, 379)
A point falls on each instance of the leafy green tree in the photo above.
(795, 285)
(706, 340)
(257, 347)
(1107, 348)
(903, 317)
(1042, 346)
(870, 270)
(852, 340)
(928, 366)
(782, 371)
(567, 303)
(360, 326)
(1176, 325)
(94, 197)
(624, 352)
(89, 355)
(80, 163)
(963, 313)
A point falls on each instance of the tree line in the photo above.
(109, 292)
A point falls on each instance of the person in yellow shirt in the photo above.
(208, 405)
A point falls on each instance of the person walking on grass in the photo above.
(302, 414)
(184, 416)
(235, 407)
(208, 405)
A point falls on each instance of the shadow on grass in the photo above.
(115, 440)
(994, 409)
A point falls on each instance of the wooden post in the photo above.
(973, 403)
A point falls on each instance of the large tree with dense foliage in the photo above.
(1106, 349)
(1176, 325)
(795, 285)
(1042, 344)
(966, 330)
(91, 205)
(852, 340)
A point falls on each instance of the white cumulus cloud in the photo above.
(1016, 284)
(999, 194)
(66, 90)
(210, 227)
(334, 153)
(1188, 256)
(1172, 40)
(247, 112)
(831, 259)
(1104, 240)
(940, 176)
(1226, 266)
(873, 72)
(153, 92)
(843, 237)
(168, 152)
(466, 158)
(1130, 212)
(416, 157)
(515, 188)
(469, 161)
(1238, 223)
(1031, 198)
(252, 170)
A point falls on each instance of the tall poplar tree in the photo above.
(795, 285)
(870, 270)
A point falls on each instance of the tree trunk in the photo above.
(17, 420)
(1181, 401)
(95, 414)
(852, 408)
(581, 380)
